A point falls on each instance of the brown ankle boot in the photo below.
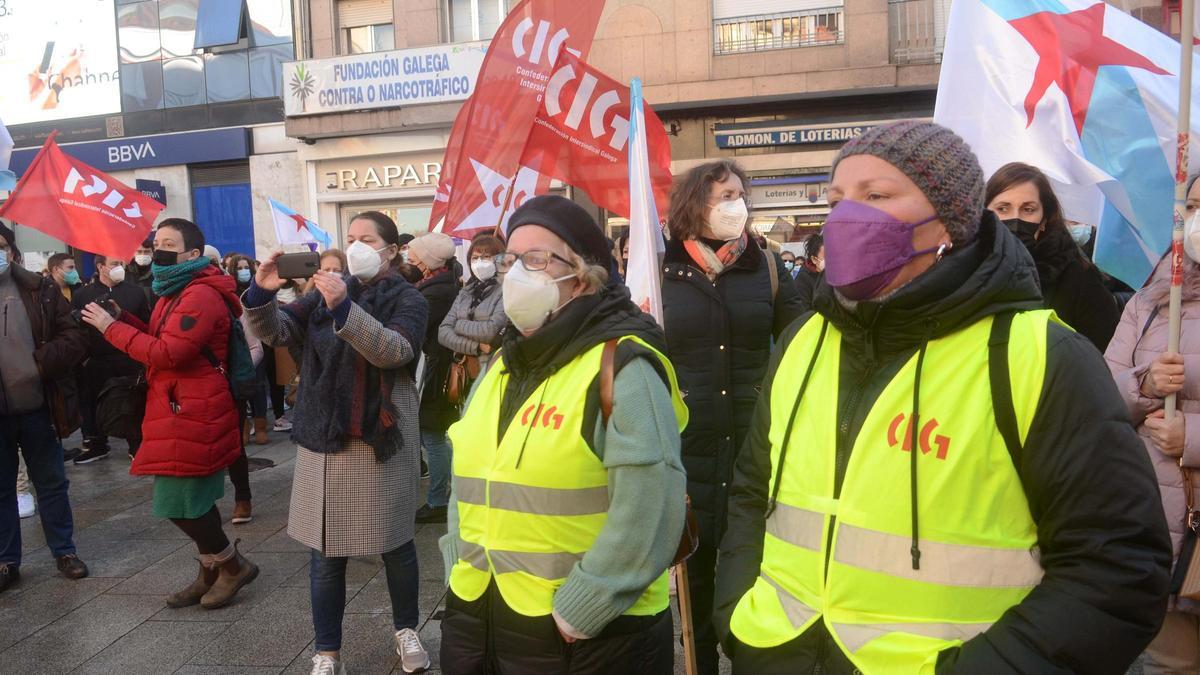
(192, 594)
(260, 431)
(229, 582)
(242, 512)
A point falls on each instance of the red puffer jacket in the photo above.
(191, 424)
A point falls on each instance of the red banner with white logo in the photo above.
(581, 137)
(82, 206)
(489, 141)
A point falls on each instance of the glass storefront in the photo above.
(411, 215)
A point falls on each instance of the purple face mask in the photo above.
(865, 248)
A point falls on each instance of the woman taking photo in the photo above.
(191, 432)
(332, 260)
(724, 299)
(564, 521)
(356, 483)
(1146, 373)
(1071, 285)
(469, 331)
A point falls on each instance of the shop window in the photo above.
(183, 82)
(266, 71)
(220, 23)
(177, 27)
(472, 20)
(365, 39)
(141, 86)
(137, 32)
(227, 77)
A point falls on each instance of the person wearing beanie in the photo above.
(431, 254)
(1022, 197)
(40, 347)
(568, 492)
(725, 299)
(940, 474)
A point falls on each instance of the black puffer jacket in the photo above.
(719, 340)
(1074, 288)
(437, 413)
(1091, 490)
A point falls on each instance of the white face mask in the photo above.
(727, 220)
(116, 273)
(364, 262)
(483, 269)
(142, 260)
(1191, 236)
(531, 297)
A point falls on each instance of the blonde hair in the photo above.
(594, 277)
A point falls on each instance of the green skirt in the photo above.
(187, 498)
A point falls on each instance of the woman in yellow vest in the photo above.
(563, 516)
(940, 477)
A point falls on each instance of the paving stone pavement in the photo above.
(116, 621)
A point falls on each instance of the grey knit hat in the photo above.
(938, 161)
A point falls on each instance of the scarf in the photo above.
(342, 395)
(711, 262)
(170, 279)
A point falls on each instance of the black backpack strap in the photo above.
(1002, 396)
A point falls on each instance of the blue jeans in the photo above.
(328, 584)
(33, 433)
(437, 449)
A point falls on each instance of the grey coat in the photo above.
(465, 328)
(346, 503)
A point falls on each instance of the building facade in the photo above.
(777, 85)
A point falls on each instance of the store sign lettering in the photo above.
(386, 176)
(120, 154)
(750, 138)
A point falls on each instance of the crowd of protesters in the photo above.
(897, 445)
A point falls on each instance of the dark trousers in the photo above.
(93, 375)
(258, 402)
(205, 531)
(33, 434)
(486, 637)
(701, 568)
(276, 390)
(327, 578)
(239, 475)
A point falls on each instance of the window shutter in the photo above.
(353, 13)
(728, 9)
(221, 174)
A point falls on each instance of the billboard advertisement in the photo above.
(58, 60)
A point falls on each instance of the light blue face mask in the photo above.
(1082, 234)
(3, 261)
(243, 276)
(71, 277)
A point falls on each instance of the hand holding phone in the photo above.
(297, 265)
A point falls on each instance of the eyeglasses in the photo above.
(534, 261)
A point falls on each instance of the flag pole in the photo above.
(1187, 25)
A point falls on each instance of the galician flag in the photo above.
(1086, 93)
(293, 228)
(645, 235)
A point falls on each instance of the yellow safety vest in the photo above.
(846, 561)
(532, 503)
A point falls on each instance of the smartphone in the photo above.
(298, 265)
(47, 55)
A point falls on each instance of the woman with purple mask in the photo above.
(995, 547)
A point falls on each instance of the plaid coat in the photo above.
(346, 503)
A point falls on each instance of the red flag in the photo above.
(501, 111)
(581, 137)
(82, 206)
(441, 196)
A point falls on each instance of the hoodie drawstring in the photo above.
(787, 435)
(914, 449)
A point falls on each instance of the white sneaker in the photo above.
(26, 507)
(413, 657)
(283, 424)
(327, 665)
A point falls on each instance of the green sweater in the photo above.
(646, 487)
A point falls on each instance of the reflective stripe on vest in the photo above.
(846, 560)
(531, 503)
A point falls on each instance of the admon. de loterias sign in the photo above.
(391, 79)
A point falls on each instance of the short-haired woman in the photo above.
(357, 475)
(721, 309)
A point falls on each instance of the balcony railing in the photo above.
(918, 30)
(809, 28)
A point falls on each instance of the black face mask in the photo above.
(1025, 230)
(164, 258)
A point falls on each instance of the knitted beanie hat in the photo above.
(433, 249)
(938, 161)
